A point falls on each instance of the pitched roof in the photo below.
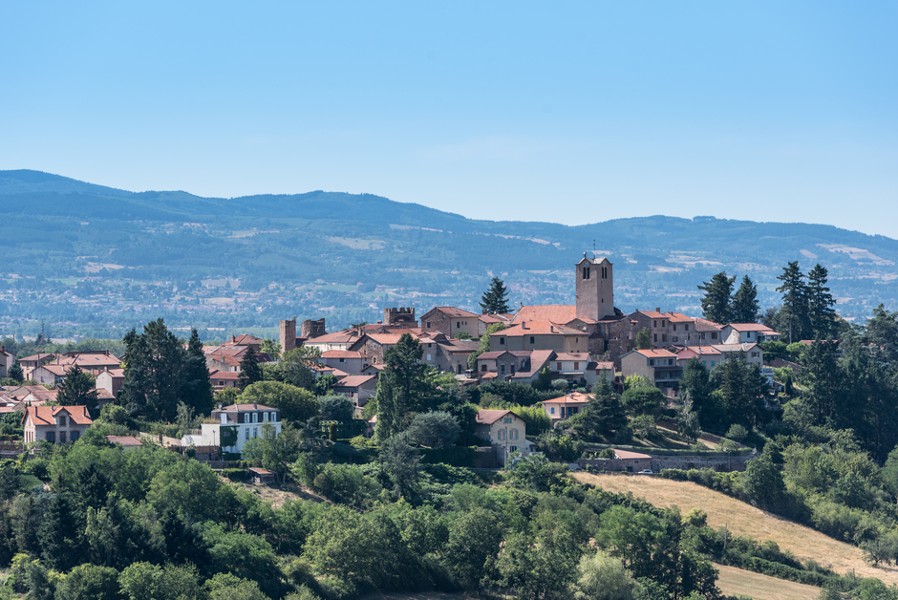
(680, 318)
(706, 325)
(538, 328)
(576, 356)
(699, 350)
(557, 313)
(245, 407)
(572, 398)
(347, 336)
(655, 353)
(495, 318)
(46, 415)
(451, 311)
(497, 353)
(488, 417)
(746, 347)
(244, 339)
(605, 365)
(341, 354)
(751, 327)
(354, 381)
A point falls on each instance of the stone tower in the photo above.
(595, 288)
(287, 335)
(311, 329)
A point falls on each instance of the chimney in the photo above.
(657, 309)
(523, 324)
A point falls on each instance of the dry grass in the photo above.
(733, 581)
(745, 520)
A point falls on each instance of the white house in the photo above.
(232, 426)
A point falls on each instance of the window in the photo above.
(428, 324)
(458, 325)
(342, 360)
(483, 368)
(513, 434)
(501, 435)
(551, 410)
(558, 367)
(586, 273)
(655, 335)
(576, 366)
(62, 437)
(429, 356)
(255, 417)
(506, 419)
(604, 272)
(76, 435)
(651, 362)
(51, 437)
(63, 420)
(274, 417)
(501, 341)
(532, 339)
(246, 433)
(255, 432)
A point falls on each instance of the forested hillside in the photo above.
(96, 261)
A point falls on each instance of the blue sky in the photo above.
(570, 112)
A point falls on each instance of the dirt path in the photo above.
(746, 520)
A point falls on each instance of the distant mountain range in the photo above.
(84, 258)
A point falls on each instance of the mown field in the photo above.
(739, 582)
(745, 520)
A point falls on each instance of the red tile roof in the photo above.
(751, 327)
(245, 407)
(452, 311)
(46, 415)
(556, 313)
(488, 417)
(656, 353)
(627, 454)
(354, 381)
(572, 398)
(341, 354)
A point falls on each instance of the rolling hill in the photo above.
(96, 260)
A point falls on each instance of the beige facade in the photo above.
(55, 424)
(505, 431)
(595, 288)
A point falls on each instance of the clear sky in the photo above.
(574, 112)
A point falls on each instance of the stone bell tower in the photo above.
(595, 287)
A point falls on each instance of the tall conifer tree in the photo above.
(821, 315)
(793, 317)
(196, 388)
(745, 302)
(717, 298)
(495, 300)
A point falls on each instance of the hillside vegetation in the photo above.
(743, 519)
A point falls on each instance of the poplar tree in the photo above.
(745, 307)
(495, 299)
(717, 298)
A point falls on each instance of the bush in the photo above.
(737, 432)
(240, 475)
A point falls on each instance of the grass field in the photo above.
(743, 519)
(738, 582)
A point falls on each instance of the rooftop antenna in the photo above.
(593, 247)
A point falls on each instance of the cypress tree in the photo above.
(153, 363)
(793, 317)
(401, 386)
(821, 315)
(717, 298)
(495, 299)
(15, 372)
(196, 388)
(745, 302)
(250, 371)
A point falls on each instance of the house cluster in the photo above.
(584, 342)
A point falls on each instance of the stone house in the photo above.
(351, 362)
(748, 333)
(55, 424)
(505, 431)
(452, 322)
(657, 365)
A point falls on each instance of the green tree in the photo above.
(644, 339)
(153, 363)
(250, 370)
(400, 463)
(77, 389)
(717, 297)
(294, 403)
(602, 577)
(745, 306)
(273, 451)
(225, 586)
(696, 387)
(196, 388)
(401, 387)
(484, 344)
(474, 538)
(89, 581)
(820, 301)
(495, 299)
(643, 400)
(15, 371)
(793, 316)
(146, 581)
(436, 429)
(296, 367)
